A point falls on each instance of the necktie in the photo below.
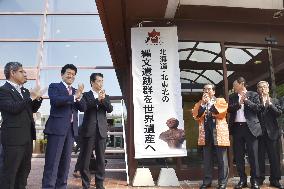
(69, 90)
(70, 93)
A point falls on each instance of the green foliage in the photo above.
(42, 141)
(280, 90)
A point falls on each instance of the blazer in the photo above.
(268, 119)
(251, 108)
(62, 106)
(18, 126)
(220, 127)
(95, 115)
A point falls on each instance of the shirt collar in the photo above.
(14, 84)
(96, 95)
(66, 85)
(245, 91)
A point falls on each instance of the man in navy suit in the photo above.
(61, 128)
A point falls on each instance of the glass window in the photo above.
(77, 53)
(2, 82)
(111, 85)
(75, 27)
(184, 54)
(45, 109)
(201, 56)
(214, 47)
(30, 84)
(185, 45)
(237, 56)
(21, 6)
(254, 52)
(73, 6)
(23, 52)
(20, 26)
(210, 76)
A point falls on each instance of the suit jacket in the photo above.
(95, 115)
(268, 119)
(62, 106)
(18, 127)
(251, 108)
(281, 101)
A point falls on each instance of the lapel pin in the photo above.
(13, 90)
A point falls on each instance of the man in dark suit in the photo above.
(269, 141)
(94, 131)
(245, 128)
(210, 112)
(61, 128)
(17, 105)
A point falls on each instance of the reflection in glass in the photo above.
(23, 52)
(76, 27)
(111, 85)
(77, 53)
(86, 6)
(20, 26)
(21, 6)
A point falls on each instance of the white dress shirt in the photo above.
(17, 87)
(240, 116)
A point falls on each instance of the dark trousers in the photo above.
(17, 166)
(86, 150)
(57, 160)
(244, 139)
(271, 147)
(1, 160)
(223, 169)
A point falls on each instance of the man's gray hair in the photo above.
(11, 66)
(260, 82)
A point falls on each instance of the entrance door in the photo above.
(200, 63)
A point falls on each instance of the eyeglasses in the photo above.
(207, 89)
(263, 87)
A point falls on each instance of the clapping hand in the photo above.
(37, 92)
(102, 95)
(265, 99)
(243, 97)
(79, 91)
(205, 98)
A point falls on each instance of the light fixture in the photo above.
(257, 62)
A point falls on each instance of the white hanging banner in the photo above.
(158, 114)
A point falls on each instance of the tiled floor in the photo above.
(113, 180)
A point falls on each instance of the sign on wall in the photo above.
(158, 114)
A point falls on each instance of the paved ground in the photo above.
(113, 180)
